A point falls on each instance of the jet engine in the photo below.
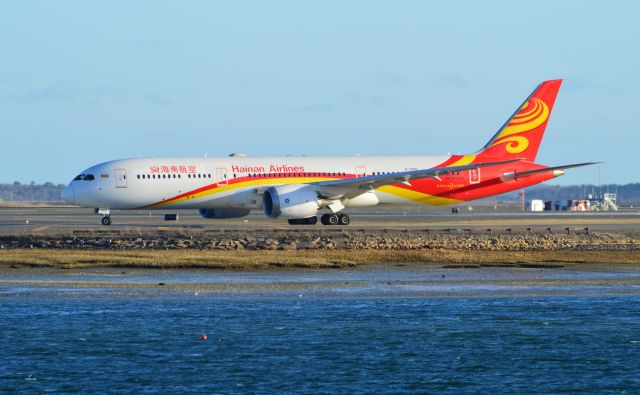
(290, 201)
(222, 213)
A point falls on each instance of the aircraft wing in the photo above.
(357, 186)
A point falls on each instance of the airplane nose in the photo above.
(68, 194)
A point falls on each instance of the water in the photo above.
(114, 340)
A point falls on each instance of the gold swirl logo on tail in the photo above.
(532, 114)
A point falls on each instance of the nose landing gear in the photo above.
(106, 215)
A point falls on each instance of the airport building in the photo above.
(606, 202)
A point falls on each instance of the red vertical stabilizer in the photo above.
(521, 135)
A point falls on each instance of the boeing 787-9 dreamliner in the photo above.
(299, 188)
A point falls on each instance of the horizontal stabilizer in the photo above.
(520, 174)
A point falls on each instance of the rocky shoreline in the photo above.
(344, 240)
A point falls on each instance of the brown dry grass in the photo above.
(252, 260)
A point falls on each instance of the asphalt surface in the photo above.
(35, 220)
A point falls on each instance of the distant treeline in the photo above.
(47, 192)
(627, 194)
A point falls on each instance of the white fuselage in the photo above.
(148, 182)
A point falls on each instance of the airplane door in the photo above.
(221, 174)
(361, 171)
(121, 178)
(474, 175)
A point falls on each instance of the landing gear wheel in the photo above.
(330, 219)
(333, 219)
(344, 219)
(106, 220)
(312, 220)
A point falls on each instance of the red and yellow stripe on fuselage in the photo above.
(450, 189)
(238, 183)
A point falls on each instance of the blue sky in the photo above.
(85, 82)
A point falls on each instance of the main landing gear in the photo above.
(106, 220)
(325, 219)
(303, 221)
(335, 219)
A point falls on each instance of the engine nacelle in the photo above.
(222, 213)
(290, 201)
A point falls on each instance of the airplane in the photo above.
(299, 188)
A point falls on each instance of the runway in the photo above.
(56, 219)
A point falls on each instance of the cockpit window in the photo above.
(78, 178)
(89, 177)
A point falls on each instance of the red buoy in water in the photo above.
(203, 337)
